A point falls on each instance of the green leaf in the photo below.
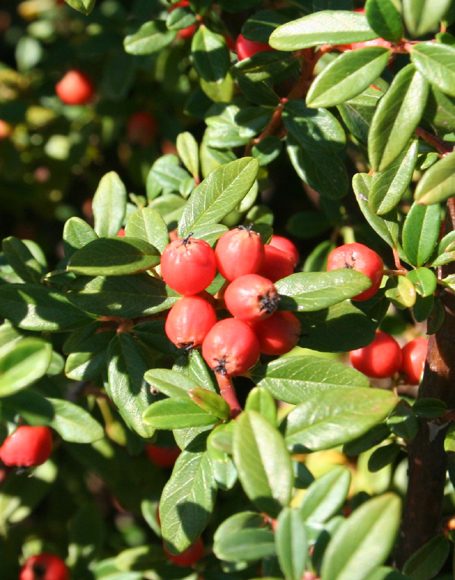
(311, 291)
(263, 463)
(84, 6)
(187, 500)
(166, 175)
(114, 257)
(384, 18)
(147, 224)
(402, 293)
(23, 364)
(422, 17)
(347, 76)
(210, 54)
(436, 63)
(291, 543)
(169, 382)
(109, 205)
(244, 537)
(334, 417)
(177, 414)
(397, 116)
(438, 183)
(326, 496)
(324, 27)
(151, 37)
(221, 91)
(126, 365)
(260, 400)
(76, 235)
(73, 423)
(363, 541)
(210, 402)
(21, 260)
(218, 194)
(294, 379)
(449, 441)
(87, 361)
(421, 232)
(261, 24)
(125, 296)
(37, 308)
(180, 18)
(428, 560)
(188, 151)
(390, 185)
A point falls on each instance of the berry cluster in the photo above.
(230, 346)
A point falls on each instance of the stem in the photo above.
(427, 458)
(227, 391)
(441, 147)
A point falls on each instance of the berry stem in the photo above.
(227, 391)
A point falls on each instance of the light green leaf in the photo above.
(109, 205)
(188, 151)
(77, 234)
(169, 382)
(422, 16)
(22, 364)
(436, 62)
(291, 543)
(177, 414)
(326, 496)
(151, 37)
(147, 224)
(210, 54)
(84, 6)
(421, 232)
(73, 423)
(438, 183)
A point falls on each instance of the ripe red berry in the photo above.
(239, 252)
(360, 258)
(162, 456)
(414, 354)
(75, 88)
(189, 321)
(141, 128)
(251, 297)
(278, 334)
(189, 557)
(188, 265)
(286, 246)
(44, 567)
(121, 233)
(380, 359)
(276, 265)
(27, 446)
(230, 348)
(246, 48)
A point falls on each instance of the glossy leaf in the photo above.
(421, 232)
(21, 259)
(436, 63)
(109, 205)
(347, 76)
(188, 151)
(326, 496)
(438, 183)
(424, 280)
(421, 17)
(210, 402)
(171, 383)
(151, 37)
(187, 500)
(77, 234)
(23, 364)
(384, 18)
(260, 400)
(334, 417)
(114, 257)
(310, 291)
(295, 379)
(177, 414)
(263, 462)
(83, 6)
(210, 54)
(363, 541)
(291, 543)
(325, 27)
(73, 423)
(397, 116)
(147, 224)
(218, 194)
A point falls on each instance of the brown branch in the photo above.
(441, 147)
(427, 458)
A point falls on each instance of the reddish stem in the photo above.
(227, 391)
(441, 147)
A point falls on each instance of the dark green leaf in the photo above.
(326, 496)
(334, 417)
(397, 116)
(428, 560)
(384, 18)
(177, 414)
(109, 205)
(291, 543)
(23, 364)
(438, 183)
(210, 54)
(347, 76)
(244, 537)
(114, 257)
(421, 232)
(325, 27)
(151, 37)
(263, 462)
(382, 456)
(260, 25)
(21, 259)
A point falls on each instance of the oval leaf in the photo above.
(74, 424)
(23, 364)
(177, 414)
(109, 205)
(291, 543)
(326, 496)
(438, 183)
(421, 232)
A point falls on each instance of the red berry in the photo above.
(278, 334)
(239, 252)
(251, 297)
(44, 567)
(162, 456)
(189, 31)
(380, 359)
(188, 265)
(276, 265)
(360, 258)
(189, 321)
(230, 348)
(414, 355)
(286, 246)
(5, 129)
(27, 446)
(141, 128)
(75, 88)
(247, 48)
(189, 557)
(121, 233)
